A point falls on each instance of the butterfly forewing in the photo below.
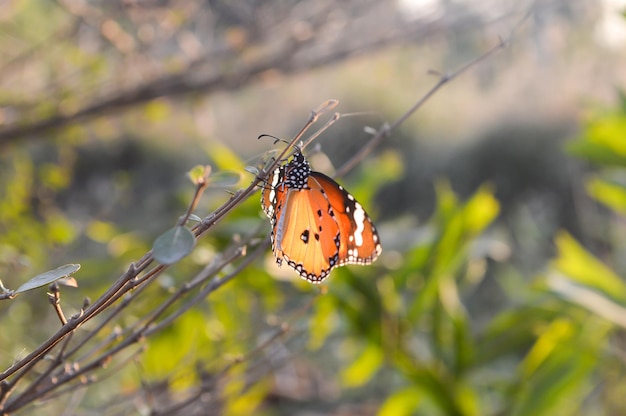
(303, 237)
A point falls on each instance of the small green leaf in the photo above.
(602, 141)
(199, 173)
(610, 194)
(226, 179)
(364, 367)
(194, 217)
(480, 210)
(252, 170)
(583, 268)
(402, 402)
(608, 131)
(559, 332)
(48, 277)
(173, 245)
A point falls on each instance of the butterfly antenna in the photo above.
(276, 139)
(326, 106)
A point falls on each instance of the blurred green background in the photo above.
(500, 204)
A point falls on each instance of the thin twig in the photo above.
(54, 297)
(200, 187)
(384, 131)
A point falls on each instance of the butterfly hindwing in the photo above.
(360, 243)
(272, 193)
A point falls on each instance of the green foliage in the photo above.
(539, 356)
(173, 245)
(555, 369)
(400, 333)
(574, 349)
(401, 327)
(391, 314)
(173, 353)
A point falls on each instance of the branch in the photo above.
(292, 58)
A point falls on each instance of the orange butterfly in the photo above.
(316, 224)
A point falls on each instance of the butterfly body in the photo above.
(316, 224)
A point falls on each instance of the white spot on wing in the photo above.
(275, 178)
(359, 219)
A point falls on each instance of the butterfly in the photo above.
(316, 224)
